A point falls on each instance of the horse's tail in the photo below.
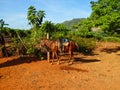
(77, 46)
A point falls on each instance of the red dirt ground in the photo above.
(98, 71)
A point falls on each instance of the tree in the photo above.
(106, 14)
(53, 30)
(48, 27)
(61, 31)
(2, 24)
(35, 18)
(41, 15)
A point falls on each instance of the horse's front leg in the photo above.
(70, 56)
(56, 54)
(53, 55)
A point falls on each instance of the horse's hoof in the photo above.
(51, 63)
(71, 63)
(68, 63)
(58, 63)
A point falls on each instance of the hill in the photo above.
(72, 22)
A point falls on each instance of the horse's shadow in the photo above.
(17, 61)
(82, 60)
(65, 57)
(110, 50)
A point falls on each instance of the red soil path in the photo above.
(98, 71)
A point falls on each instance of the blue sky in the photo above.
(14, 12)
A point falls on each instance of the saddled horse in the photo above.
(52, 45)
(70, 48)
(56, 46)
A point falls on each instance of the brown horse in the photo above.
(52, 45)
(56, 46)
(70, 48)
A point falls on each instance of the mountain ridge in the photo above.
(69, 23)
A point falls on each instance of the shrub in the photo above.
(111, 39)
(86, 45)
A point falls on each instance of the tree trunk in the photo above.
(48, 53)
(35, 33)
(47, 35)
(21, 41)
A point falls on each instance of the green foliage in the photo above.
(106, 14)
(83, 28)
(60, 31)
(70, 24)
(2, 24)
(48, 26)
(30, 49)
(86, 45)
(111, 39)
(35, 17)
(55, 30)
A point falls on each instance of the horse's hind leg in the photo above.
(70, 57)
(53, 55)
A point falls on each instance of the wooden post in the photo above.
(48, 56)
(47, 35)
(48, 53)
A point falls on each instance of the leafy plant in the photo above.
(86, 45)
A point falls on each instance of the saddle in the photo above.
(65, 43)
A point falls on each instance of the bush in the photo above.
(86, 45)
(111, 39)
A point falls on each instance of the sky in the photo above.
(14, 12)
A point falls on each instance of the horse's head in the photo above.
(44, 42)
(38, 46)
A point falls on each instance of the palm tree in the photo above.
(35, 18)
(48, 27)
(2, 24)
(41, 15)
(31, 15)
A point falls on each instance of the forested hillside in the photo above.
(69, 24)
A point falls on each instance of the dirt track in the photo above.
(98, 71)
